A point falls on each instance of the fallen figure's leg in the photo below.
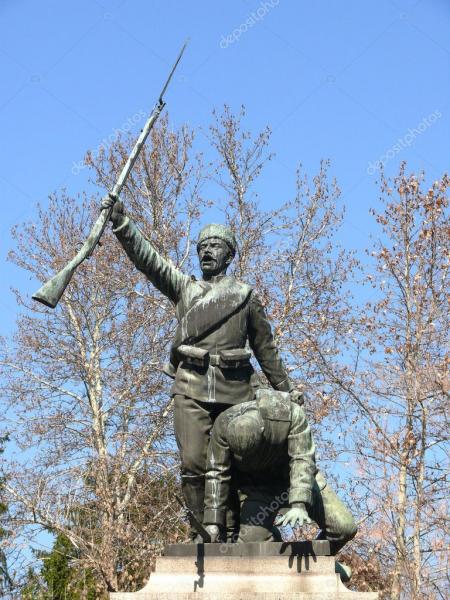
(331, 515)
(260, 505)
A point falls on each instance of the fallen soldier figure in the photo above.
(263, 449)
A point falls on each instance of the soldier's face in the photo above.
(214, 256)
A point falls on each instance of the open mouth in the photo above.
(208, 261)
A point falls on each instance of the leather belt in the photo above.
(226, 359)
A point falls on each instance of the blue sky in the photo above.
(333, 79)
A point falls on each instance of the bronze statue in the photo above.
(267, 447)
(209, 361)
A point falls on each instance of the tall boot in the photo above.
(193, 487)
(231, 533)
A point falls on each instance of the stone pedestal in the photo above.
(257, 571)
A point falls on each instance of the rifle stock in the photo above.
(50, 293)
(202, 531)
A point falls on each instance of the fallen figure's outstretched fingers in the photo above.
(296, 516)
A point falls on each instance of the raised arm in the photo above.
(168, 279)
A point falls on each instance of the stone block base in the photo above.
(270, 571)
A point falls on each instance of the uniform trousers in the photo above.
(193, 421)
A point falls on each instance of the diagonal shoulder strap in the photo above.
(213, 309)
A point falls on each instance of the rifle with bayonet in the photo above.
(50, 293)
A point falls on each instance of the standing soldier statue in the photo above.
(209, 361)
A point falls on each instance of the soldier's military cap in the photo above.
(216, 230)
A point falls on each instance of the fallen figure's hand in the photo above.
(295, 517)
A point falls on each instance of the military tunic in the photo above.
(216, 316)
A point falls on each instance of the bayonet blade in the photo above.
(172, 71)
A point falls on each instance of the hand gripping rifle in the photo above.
(50, 293)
